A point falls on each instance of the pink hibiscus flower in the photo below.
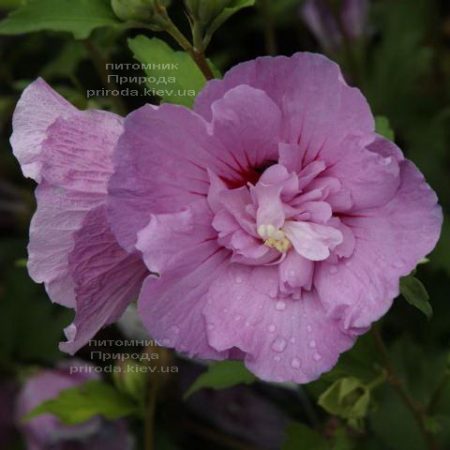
(275, 222)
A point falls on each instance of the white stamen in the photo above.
(274, 238)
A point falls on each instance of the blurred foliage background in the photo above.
(383, 395)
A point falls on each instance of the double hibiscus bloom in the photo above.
(269, 224)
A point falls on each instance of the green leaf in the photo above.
(416, 295)
(383, 127)
(79, 17)
(222, 375)
(300, 436)
(188, 79)
(79, 404)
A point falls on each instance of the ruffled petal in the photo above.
(311, 240)
(282, 339)
(106, 279)
(389, 242)
(38, 107)
(247, 122)
(170, 305)
(73, 155)
(161, 166)
(319, 109)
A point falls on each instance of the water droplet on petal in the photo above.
(280, 306)
(279, 344)
(295, 363)
(312, 344)
(272, 328)
(317, 357)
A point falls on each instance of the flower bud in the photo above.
(348, 398)
(328, 20)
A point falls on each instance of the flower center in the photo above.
(274, 238)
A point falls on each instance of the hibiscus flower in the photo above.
(274, 221)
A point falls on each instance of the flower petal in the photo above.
(389, 242)
(247, 122)
(312, 241)
(73, 155)
(106, 278)
(170, 306)
(38, 107)
(282, 339)
(161, 166)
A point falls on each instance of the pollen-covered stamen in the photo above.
(274, 238)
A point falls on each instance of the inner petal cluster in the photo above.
(285, 218)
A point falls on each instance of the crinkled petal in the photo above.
(282, 339)
(389, 242)
(75, 163)
(106, 278)
(38, 107)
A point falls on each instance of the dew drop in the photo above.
(312, 344)
(279, 344)
(317, 357)
(273, 292)
(280, 306)
(295, 363)
(271, 328)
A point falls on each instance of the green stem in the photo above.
(197, 55)
(437, 394)
(417, 411)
